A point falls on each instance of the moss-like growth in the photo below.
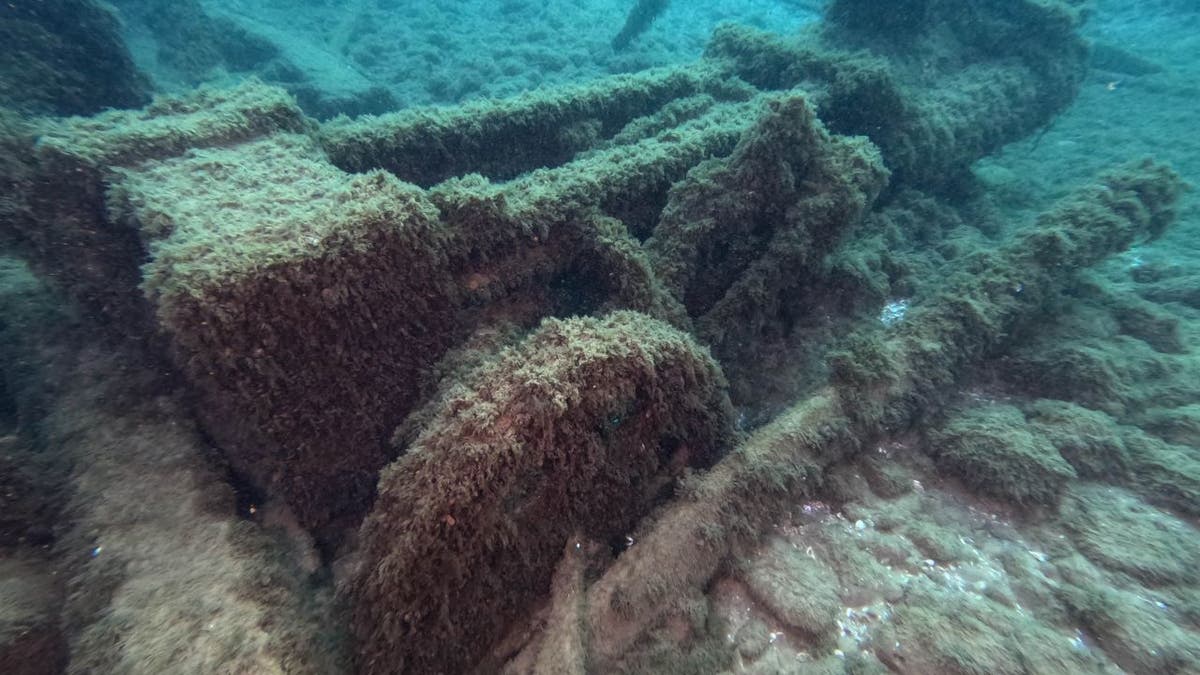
(26, 495)
(1088, 439)
(901, 21)
(1148, 323)
(1100, 448)
(580, 427)
(991, 449)
(1178, 426)
(887, 477)
(169, 126)
(1120, 532)
(17, 139)
(193, 45)
(1183, 289)
(1138, 635)
(1089, 372)
(1164, 473)
(30, 640)
(799, 590)
(1122, 206)
(1086, 358)
(613, 178)
(503, 139)
(937, 543)
(309, 309)
(939, 631)
(863, 576)
(315, 304)
(60, 222)
(303, 310)
(562, 647)
(163, 575)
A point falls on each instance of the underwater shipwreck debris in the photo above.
(740, 229)
(965, 82)
(350, 290)
(579, 428)
(316, 285)
(878, 385)
(63, 228)
(509, 137)
(164, 576)
(321, 345)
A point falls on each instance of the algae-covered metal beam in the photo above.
(505, 138)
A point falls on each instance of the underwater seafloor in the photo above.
(773, 336)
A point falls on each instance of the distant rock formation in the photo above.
(66, 57)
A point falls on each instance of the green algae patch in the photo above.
(1121, 533)
(941, 631)
(1178, 426)
(798, 589)
(1088, 439)
(935, 542)
(1101, 448)
(1164, 473)
(171, 125)
(1139, 634)
(31, 642)
(992, 450)
(1115, 375)
(1149, 323)
(579, 428)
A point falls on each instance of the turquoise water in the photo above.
(767, 336)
